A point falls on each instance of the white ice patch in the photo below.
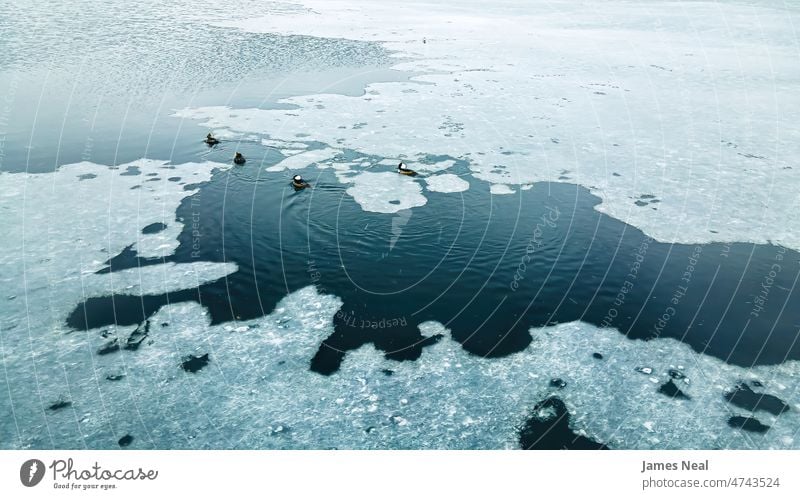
(446, 183)
(281, 144)
(291, 152)
(225, 134)
(257, 391)
(163, 278)
(435, 167)
(630, 102)
(304, 159)
(386, 192)
(501, 189)
(59, 228)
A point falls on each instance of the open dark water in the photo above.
(488, 267)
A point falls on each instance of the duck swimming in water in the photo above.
(210, 140)
(298, 183)
(401, 169)
(239, 159)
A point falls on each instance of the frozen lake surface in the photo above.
(599, 248)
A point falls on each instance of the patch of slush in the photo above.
(446, 182)
(386, 192)
(257, 390)
(304, 159)
(694, 105)
(501, 189)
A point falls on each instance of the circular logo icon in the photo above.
(31, 472)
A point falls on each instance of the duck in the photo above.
(239, 159)
(210, 140)
(298, 183)
(402, 170)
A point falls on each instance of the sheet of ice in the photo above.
(164, 278)
(256, 390)
(225, 134)
(435, 167)
(304, 159)
(385, 192)
(91, 204)
(281, 144)
(693, 104)
(446, 182)
(290, 152)
(58, 230)
(501, 189)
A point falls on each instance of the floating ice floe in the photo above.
(163, 278)
(631, 108)
(435, 167)
(386, 192)
(304, 159)
(291, 152)
(501, 189)
(446, 182)
(282, 144)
